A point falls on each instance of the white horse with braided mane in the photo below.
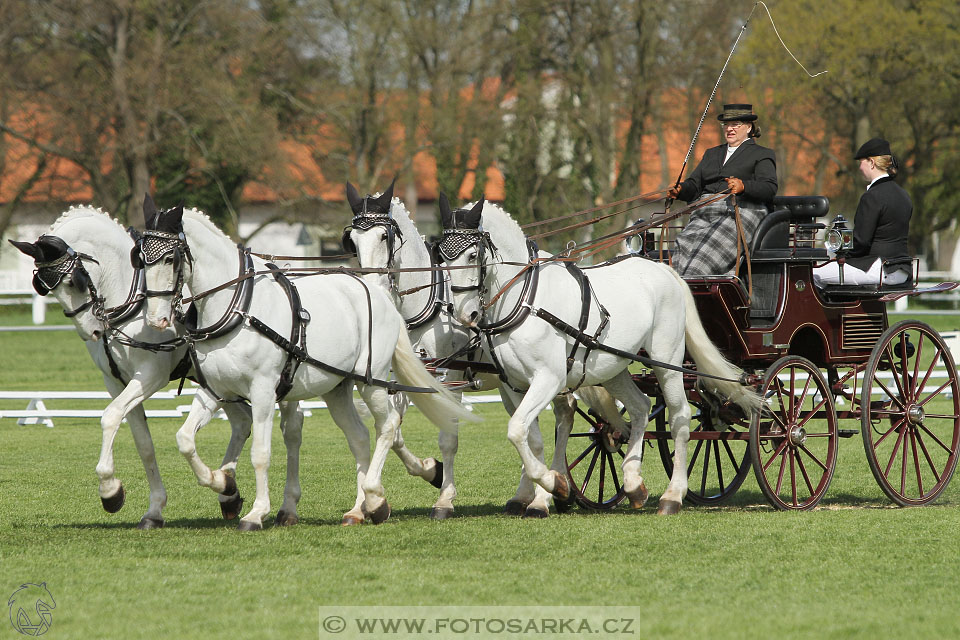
(353, 334)
(383, 236)
(84, 262)
(648, 307)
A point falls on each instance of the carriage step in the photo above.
(847, 433)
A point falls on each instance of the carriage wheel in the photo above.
(910, 418)
(793, 441)
(715, 468)
(594, 456)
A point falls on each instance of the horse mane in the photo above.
(399, 212)
(501, 226)
(202, 218)
(79, 211)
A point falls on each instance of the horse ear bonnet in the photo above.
(353, 197)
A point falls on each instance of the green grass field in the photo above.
(856, 567)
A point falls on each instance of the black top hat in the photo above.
(873, 147)
(740, 112)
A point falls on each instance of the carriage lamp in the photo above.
(839, 238)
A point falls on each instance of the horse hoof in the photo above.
(246, 525)
(349, 520)
(535, 512)
(230, 484)
(441, 513)
(378, 515)
(514, 508)
(147, 524)
(639, 497)
(231, 508)
(285, 519)
(561, 488)
(668, 508)
(437, 480)
(563, 506)
(115, 502)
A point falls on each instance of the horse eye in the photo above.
(473, 256)
(168, 259)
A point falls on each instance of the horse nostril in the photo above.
(96, 335)
(474, 316)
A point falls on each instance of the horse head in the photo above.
(467, 247)
(56, 264)
(163, 253)
(373, 233)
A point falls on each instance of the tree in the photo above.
(150, 94)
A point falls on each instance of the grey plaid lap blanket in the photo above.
(708, 243)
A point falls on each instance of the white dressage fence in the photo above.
(37, 412)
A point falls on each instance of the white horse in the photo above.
(383, 236)
(352, 333)
(84, 262)
(647, 306)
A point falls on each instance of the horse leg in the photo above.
(525, 489)
(291, 424)
(430, 469)
(240, 419)
(539, 507)
(344, 413)
(638, 406)
(529, 445)
(386, 421)
(564, 407)
(671, 384)
(112, 494)
(202, 408)
(262, 409)
(443, 507)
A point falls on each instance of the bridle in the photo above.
(455, 242)
(368, 219)
(47, 276)
(153, 246)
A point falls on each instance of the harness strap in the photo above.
(302, 356)
(233, 316)
(574, 332)
(298, 333)
(436, 301)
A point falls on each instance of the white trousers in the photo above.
(830, 274)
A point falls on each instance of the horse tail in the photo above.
(709, 359)
(441, 408)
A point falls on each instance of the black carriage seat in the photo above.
(770, 249)
(772, 237)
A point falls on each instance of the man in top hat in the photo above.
(708, 243)
(881, 224)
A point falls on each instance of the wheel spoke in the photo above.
(803, 470)
(916, 459)
(589, 474)
(935, 393)
(889, 393)
(716, 457)
(793, 477)
(693, 460)
(733, 460)
(802, 397)
(813, 412)
(893, 455)
(903, 463)
(603, 475)
(813, 457)
(583, 455)
(889, 431)
(775, 454)
(613, 473)
(706, 468)
(783, 464)
(893, 368)
(916, 362)
(926, 454)
(905, 364)
(933, 365)
(932, 435)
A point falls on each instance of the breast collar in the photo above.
(437, 298)
(524, 303)
(234, 314)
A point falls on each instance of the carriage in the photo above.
(818, 356)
